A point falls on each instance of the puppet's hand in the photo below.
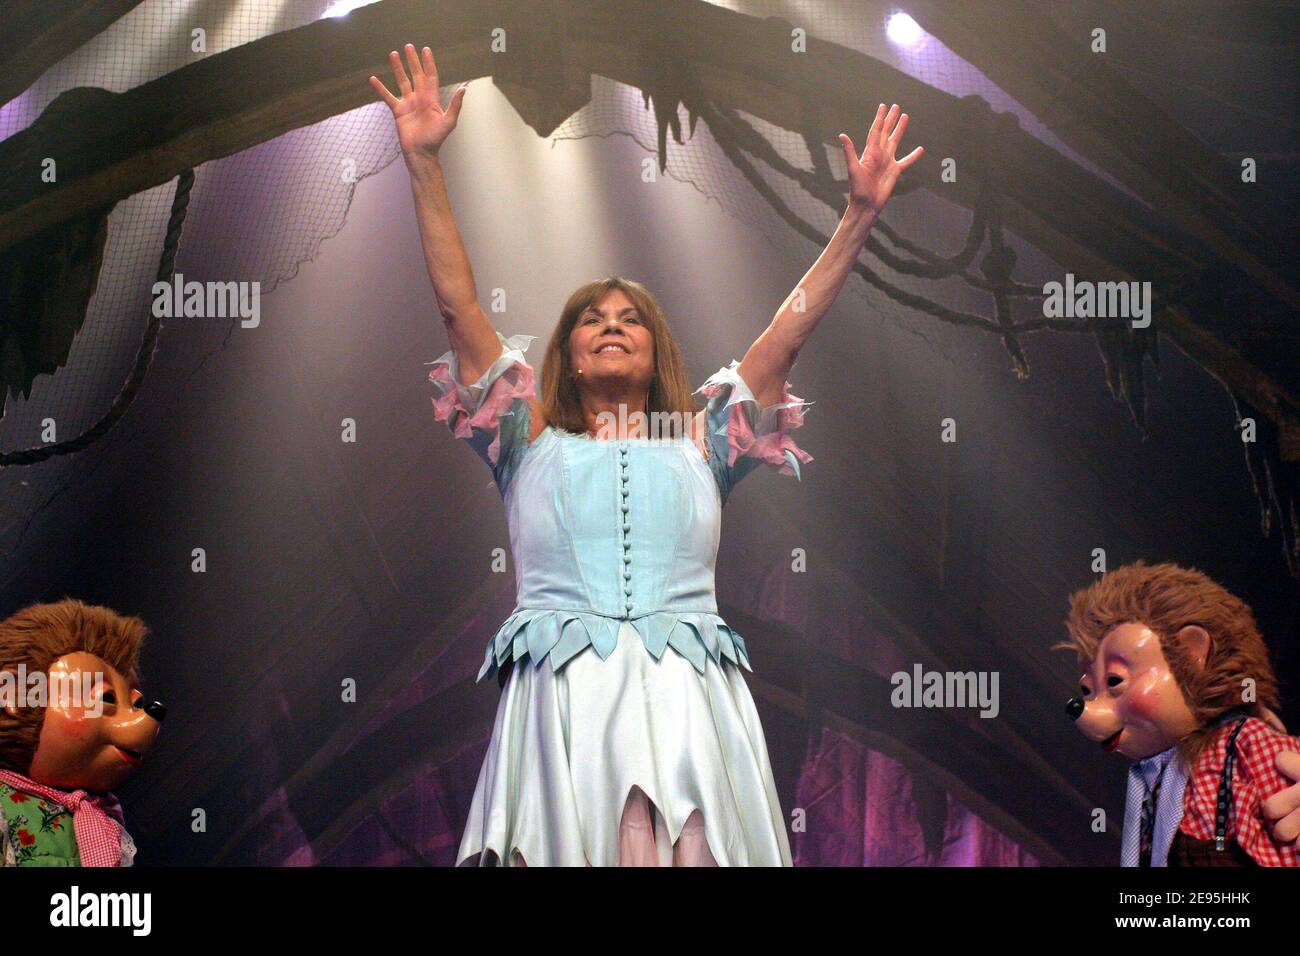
(1282, 810)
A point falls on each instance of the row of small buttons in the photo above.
(627, 527)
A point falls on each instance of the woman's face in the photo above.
(611, 344)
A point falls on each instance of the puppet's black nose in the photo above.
(1074, 707)
(156, 710)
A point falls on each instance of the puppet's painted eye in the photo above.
(1086, 691)
(1114, 680)
(109, 697)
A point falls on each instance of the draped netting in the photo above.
(260, 214)
(256, 216)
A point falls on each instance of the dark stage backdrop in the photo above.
(372, 561)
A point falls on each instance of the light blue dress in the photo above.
(625, 673)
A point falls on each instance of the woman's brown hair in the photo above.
(670, 391)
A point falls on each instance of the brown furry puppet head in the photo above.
(1175, 602)
(39, 635)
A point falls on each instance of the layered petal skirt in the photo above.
(621, 750)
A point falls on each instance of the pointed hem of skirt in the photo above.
(552, 785)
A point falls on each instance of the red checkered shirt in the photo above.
(1254, 778)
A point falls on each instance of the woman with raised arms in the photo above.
(625, 734)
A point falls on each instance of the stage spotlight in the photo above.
(342, 8)
(903, 30)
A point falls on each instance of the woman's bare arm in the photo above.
(472, 336)
(767, 363)
(871, 180)
(422, 127)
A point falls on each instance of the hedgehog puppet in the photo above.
(73, 725)
(1175, 676)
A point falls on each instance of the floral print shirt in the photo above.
(36, 832)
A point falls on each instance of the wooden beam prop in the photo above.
(227, 103)
(1076, 94)
(36, 34)
(1089, 106)
(244, 96)
(1245, 339)
(675, 52)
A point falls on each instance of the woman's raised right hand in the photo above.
(422, 124)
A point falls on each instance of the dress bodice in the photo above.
(619, 527)
(608, 531)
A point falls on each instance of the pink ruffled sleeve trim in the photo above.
(752, 432)
(482, 405)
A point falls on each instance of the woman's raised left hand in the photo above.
(873, 174)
